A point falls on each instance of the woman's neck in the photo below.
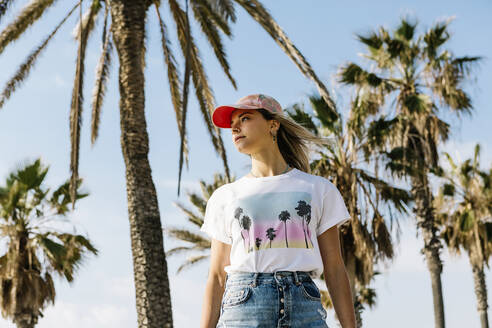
(267, 163)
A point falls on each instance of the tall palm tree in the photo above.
(365, 239)
(270, 234)
(411, 78)
(124, 27)
(197, 243)
(284, 216)
(303, 210)
(246, 224)
(464, 207)
(35, 250)
(237, 215)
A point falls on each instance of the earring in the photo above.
(273, 136)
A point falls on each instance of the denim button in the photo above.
(282, 300)
(281, 310)
(280, 288)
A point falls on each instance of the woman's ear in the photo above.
(275, 125)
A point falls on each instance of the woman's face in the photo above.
(250, 131)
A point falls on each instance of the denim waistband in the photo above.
(256, 278)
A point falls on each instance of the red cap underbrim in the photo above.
(221, 116)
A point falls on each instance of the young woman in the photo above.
(273, 229)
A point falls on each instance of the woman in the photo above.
(273, 229)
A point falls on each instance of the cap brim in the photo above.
(221, 116)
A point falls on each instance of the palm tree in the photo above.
(246, 224)
(258, 242)
(308, 219)
(284, 216)
(270, 234)
(303, 210)
(124, 26)
(237, 215)
(366, 238)
(464, 207)
(35, 250)
(197, 243)
(416, 77)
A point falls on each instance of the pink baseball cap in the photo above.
(222, 114)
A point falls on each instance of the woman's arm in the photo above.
(336, 277)
(214, 288)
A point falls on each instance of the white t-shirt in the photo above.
(273, 222)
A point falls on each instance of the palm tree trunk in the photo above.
(303, 229)
(481, 293)
(432, 245)
(244, 240)
(286, 242)
(153, 299)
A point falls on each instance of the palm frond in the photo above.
(406, 30)
(325, 115)
(75, 247)
(54, 251)
(32, 175)
(198, 201)
(214, 15)
(25, 68)
(353, 74)
(188, 236)
(88, 21)
(372, 40)
(366, 103)
(399, 197)
(186, 85)
(417, 104)
(435, 37)
(202, 15)
(60, 199)
(202, 90)
(77, 103)
(192, 217)
(28, 16)
(382, 237)
(367, 296)
(184, 249)
(225, 8)
(380, 131)
(256, 10)
(192, 260)
(174, 82)
(465, 65)
(302, 118)
(4, 7)
(102, 77)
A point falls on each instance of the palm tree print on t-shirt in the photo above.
(274, 220)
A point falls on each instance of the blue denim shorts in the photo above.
(267, 300)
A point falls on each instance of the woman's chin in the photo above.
(242, 149)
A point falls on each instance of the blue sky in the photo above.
(34, 123)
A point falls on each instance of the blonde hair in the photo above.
(294, 140)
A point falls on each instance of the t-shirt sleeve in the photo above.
(333, 209)
(214, 223)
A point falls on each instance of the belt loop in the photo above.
(276, 277)
(296, 278)
(255, 277)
